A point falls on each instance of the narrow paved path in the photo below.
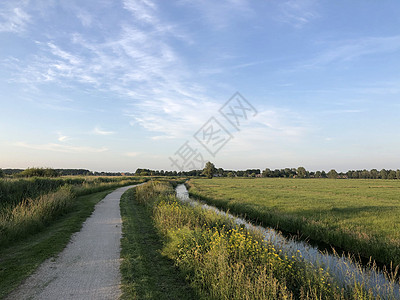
(88, 268)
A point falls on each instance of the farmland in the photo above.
(359, 216)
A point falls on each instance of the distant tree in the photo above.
(374, 174)
(220, 172)
(1, 173)
(317, 174)
(383, 174)
(398, 174)
(287, 172)
(51, 173)
(267, 173)
(230, 174)
(209, 170)
(38, 172)
(276, 173)
(301, 172)
(365, 174)
(391, 174)
(323, 174)
(332, 174)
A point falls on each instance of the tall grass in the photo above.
(13, 191)
(225, 261)
(32, 215)
(21, 217)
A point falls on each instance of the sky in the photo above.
(116, 85)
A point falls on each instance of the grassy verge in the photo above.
(358, 216)
(146, 274)
(222, 260)
(30, 216)
(20, 259)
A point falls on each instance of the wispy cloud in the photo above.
(85, 17)
(140, 63)
(350, 50)
(343, 111)
(100, 131)
(61, 148)
(132, 154)
(221, 14)
(297, 12)
(13, 17)
(62, 138)
(142, 10)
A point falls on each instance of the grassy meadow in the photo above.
(359, 216)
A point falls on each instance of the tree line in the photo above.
(299, 172)
(49, 172)
(211, 171)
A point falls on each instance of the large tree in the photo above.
(209, 170)
(332, 174)
(301, 172)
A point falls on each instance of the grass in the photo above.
(359, 216)
(22, 258)
(13, 191)
(29, 216)
(222, 260)
(146, 274)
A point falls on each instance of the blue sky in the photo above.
(115, 85)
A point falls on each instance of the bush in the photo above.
(38, 172)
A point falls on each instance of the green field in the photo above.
(359, 216)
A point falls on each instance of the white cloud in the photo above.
(85, 17)
(132, 154)
(100, 131)
(61, 148)
(350, 50)
(297, 12)
(62, 138)
(142, 10)
(138, 64)
(343, 111)
(14, 19)
(221, 14)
